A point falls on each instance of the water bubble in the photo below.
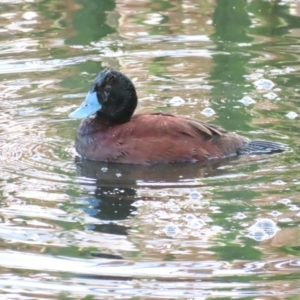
(190, 217)
(138, 203)
(195, 195)
(278, 182)
(291, 115)
(171, 230)
(293, 207)
(118, 174)
(247, 100)
(176, 101)
(267, 225)
(163, 193)
(195, 224)
(275, 213)
(258, 235)
(263, 84)
(240, 215)
(193, 221)
(208, 112)
(175, 208)
(270, 96)
(263, 229)
(201, 222)
(104, 169)
(284, 201)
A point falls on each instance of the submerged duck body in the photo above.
(111, 133)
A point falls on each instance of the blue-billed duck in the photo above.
(111, 132)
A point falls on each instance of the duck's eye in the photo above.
(107, 88)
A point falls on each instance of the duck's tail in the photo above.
(263, 147)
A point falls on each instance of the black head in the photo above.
(112, 96)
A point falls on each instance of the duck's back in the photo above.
(156, 138)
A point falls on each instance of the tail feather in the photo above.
(263, 147)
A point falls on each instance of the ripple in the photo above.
(173, 39)
(18, 45)
(170, 53)
(49, 284)
(10, 66)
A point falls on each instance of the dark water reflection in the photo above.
(117, 185)
(134, 175)
(72, 228)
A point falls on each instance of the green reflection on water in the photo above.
(239, 55)
(291, 250)
(231, 23)
(90, 22)
(78, 82)
(235, 252)
(276, 17)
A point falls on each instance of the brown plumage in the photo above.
(112, 134)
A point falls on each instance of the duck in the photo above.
(111, 132)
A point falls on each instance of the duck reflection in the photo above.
(111, 204)
(132, 176)
(116, 186)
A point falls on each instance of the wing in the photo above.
(177, 125)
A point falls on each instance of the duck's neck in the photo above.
(109, 119)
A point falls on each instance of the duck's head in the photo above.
(112, 97)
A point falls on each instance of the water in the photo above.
(79, 230)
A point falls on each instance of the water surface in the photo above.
(72, 229)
